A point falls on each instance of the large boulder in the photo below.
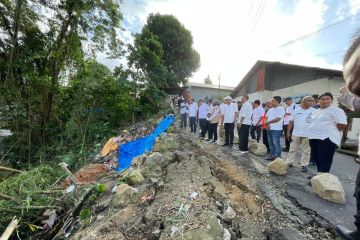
(278, 166)
(328, 187)
(124, 195)
(258, 149)
(135, 177)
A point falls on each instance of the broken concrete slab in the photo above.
(328, 187)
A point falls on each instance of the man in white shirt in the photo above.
(244, 123)
(274, 126)
(257, 114)
(228, 116)
(184, 110)
(193, 108)
(203, 111)
(299, 125)
(288, 113)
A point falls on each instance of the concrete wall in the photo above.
(198, 92)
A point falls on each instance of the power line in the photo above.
(259, 16)
(327, 27)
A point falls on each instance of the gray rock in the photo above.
(124, 195)
(229, 214)
(328, 187)
(212, 230)
(278, 166)
(135, 177)
(258, 149)
(154, 158)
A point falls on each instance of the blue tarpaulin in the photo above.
(128, 151)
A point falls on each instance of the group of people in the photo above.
(314, 125)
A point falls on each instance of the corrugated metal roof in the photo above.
(204, 85)
(249, 75)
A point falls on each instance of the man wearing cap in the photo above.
(228, 116)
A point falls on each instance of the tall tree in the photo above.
(207, 80)
(164, 51)
(41, 43)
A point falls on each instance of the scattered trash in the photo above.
(194, 195)
(49, 223)
(174, 230)
(70, 189)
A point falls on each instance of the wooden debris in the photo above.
(4, 196)
(10, 169)
(10, 228)
(71, 176)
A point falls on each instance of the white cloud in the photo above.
(354, 6)
(223, 35)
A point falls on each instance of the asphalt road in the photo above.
(345, 168)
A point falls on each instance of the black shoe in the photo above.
(309, 183)
(207, 140)
(230, 145)
(214, 141)
(270, 158)
(290, 165)
(303, 169)
(285, 150)
(347, 234)
(224, 145)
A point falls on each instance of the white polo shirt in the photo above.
(323, 124)
(257, 113)
(184, 108)
(228, 111)
(273, 113)
(289, 110)
(302, 119)
(203, 111)
(246, 113)
(193, 109)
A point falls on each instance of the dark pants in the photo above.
(287, 142)
(203, 126)
(192, 121)
(322, 151)
(265, 139)
(183, 120)
(256, 129)
(244, 137)
(213, 131)
(229, 133)
(357, 197)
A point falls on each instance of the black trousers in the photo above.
(256, 129)
(357, 197)
(243, 132)
(265, 139)
(287, 142)
(322, 152)
(203, 126)
(213, 131)
(229, 133)
(192, 122)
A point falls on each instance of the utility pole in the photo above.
(219, 86)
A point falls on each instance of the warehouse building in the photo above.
(202, 90)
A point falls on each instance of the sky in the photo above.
(231, 35)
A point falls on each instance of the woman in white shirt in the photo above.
(325, 127)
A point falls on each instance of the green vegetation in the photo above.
(60, 103)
